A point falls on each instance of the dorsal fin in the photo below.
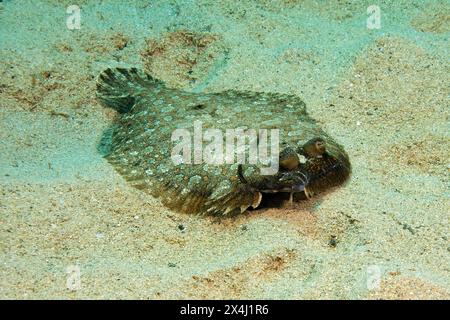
(117, 88)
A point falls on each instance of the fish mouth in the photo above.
(294, 188)
(297, 188)
(291, 182)
(303, 181)
(307, 180)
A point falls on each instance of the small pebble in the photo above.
(333, 241)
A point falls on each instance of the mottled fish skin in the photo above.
(139, 142)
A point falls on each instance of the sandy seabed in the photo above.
(382, 93)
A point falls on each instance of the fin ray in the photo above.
(117, 88)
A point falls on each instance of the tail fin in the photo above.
(117, 88)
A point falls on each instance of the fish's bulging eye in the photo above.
(320, 147)
(289, 159)
(315, 147)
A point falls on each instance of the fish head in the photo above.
(309, 168)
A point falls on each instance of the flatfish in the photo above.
(183, 146)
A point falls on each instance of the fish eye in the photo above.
(315, 147)
(320, 146)
(289, 159)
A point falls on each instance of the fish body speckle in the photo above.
(139, 144)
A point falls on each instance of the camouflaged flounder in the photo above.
(139, 144)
